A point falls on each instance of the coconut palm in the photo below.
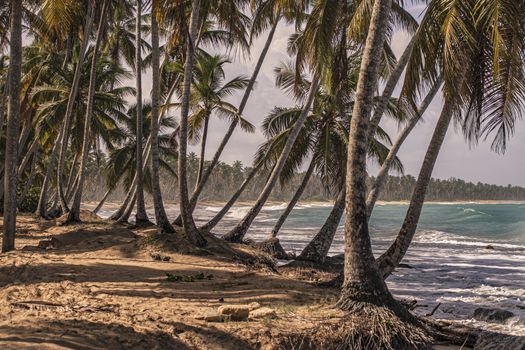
(11, 151)
(51, 99)
(187, 219)
(74, 213)
(478, 45)
(141, 217)
(209, 90)
(120, 167)
(266, 14)
(363, 286)
(160, 213)
(64, 133)
(323, 137)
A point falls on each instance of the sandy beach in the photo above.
(97, 285)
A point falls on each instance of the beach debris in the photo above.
(492, 315)
(254, 305)
(158, 257)
(405, 266)
(213, 317)
(188, 278)
(493, 341)
(236, 312)
(433, 310)
(262, 312)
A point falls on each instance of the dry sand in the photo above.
(96, 286)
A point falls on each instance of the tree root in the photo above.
(373, 327)
(272, 247)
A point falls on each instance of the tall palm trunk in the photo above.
(203, 152)
(160, 213)
(294, 199)
(391, 83)
(3, 101)
(207, 173)
(390, 259)
(74, 213)
(318, 248)
(389, 160)
(41, 209)
(141, 217)
(187, 219)
(13, 121)
(64, 133)
(218, 217)
(363, 285)
(238, 232)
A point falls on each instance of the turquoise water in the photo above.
(502, 222)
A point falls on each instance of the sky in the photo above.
(456, 159)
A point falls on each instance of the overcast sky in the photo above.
(456, 159)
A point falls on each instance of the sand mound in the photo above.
(86, 216)
(89, 238)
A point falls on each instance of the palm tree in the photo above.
(323, 137)
(13, 117)
(363, 286)
(141, 217)
(208, 97)
(160, 213)
(266, 14)
(51, 99)
(64, 132)
(238, 232)
(187, 219)
(483, 80)
(120, 167)
(74, 213)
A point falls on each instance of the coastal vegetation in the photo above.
(73, 129)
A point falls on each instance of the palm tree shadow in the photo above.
(84, 335)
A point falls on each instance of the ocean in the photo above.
(464, 256)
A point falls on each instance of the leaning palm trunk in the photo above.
(191, 231)
(218, 217)
(102, 201)
(127, 213)
(30, 178)
(64, 133)
(390, 259)
(71, 179)
(25, 161)
(363, 286)
(389, 160)
(3, 101)
(238, 232)
(233, 125)
(13, 121)
(203, 152)
(391, 83)
(160, 213)
(318, 248)
(141, 217)
(294, 199)
(74, 213)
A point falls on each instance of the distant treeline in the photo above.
(227, 178)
